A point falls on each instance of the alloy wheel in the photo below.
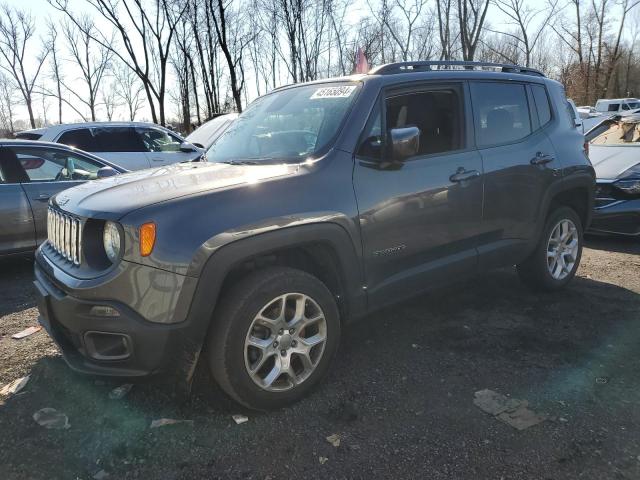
(562, 249)
(285, 342)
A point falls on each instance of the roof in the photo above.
(64, 126)
(448, 65)
(610, 100)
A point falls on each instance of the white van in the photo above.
(621, 106)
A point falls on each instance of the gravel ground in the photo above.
(400, 396)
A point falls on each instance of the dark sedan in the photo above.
(30, 173)
(614, 150)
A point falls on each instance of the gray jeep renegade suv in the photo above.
(323, 202)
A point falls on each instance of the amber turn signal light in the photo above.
(147, 233)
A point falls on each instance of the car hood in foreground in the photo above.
(113, 197)
(610, 161)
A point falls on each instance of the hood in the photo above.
(113, 197)
(610, 161)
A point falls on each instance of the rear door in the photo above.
(119, 145)
(519, 164)
(17, 232)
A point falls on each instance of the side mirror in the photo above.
(405, 143)
(187, 147)
(105, 172)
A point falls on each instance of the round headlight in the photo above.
(111, 241)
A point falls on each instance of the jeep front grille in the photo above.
(64, 234)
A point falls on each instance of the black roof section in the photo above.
(439, 65)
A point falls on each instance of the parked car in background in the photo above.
(588, 117)
(30, 173)
(621, 106)
(586, 110)
(131, 145)
(614, 150)
(322, 202)
(206, 134)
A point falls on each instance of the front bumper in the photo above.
(126, 346)
(619, 217)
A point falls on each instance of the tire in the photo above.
(231, 352)
(536, 271)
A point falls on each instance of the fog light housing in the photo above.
(103, 311)
(107, 346)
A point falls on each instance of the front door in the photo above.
(163, 148)
(419, 218)
(47, 171)
(17, 232)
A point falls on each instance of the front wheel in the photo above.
(556, 258)
(273, 337)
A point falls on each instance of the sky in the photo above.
(42, 12)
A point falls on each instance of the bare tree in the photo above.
(471, 17)
(232, 41)
(109, 98)
(522, 17)
(55, 65)
(7, 101)
(17, 29)
(146, 29)
(92, 59)
(614, 54)
(445, 30)
(129, 90)
(403, 33)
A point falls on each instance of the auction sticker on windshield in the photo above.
(334, 92)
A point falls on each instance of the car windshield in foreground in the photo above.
(618, 132)
(291, 125)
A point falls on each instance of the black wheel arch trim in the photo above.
(226, 258)
(584, 178)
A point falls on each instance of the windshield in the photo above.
(633, 105)
(618, 133)
(287, 126)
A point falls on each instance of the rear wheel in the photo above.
(556, 259)
(273, 337)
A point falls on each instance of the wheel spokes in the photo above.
(285, 342)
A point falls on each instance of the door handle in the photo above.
(157, 159)
(542, 159)
(461, 175)
(43, 197)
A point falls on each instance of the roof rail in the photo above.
(435, 65)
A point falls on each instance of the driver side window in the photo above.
(159, 140)
(42, 165)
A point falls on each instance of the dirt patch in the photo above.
(399, 411)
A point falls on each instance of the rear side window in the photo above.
(118, 139)
(614, 107)
(501, 112)
(542, 104)
(28, 136)
(104, 139)
(80, 138)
